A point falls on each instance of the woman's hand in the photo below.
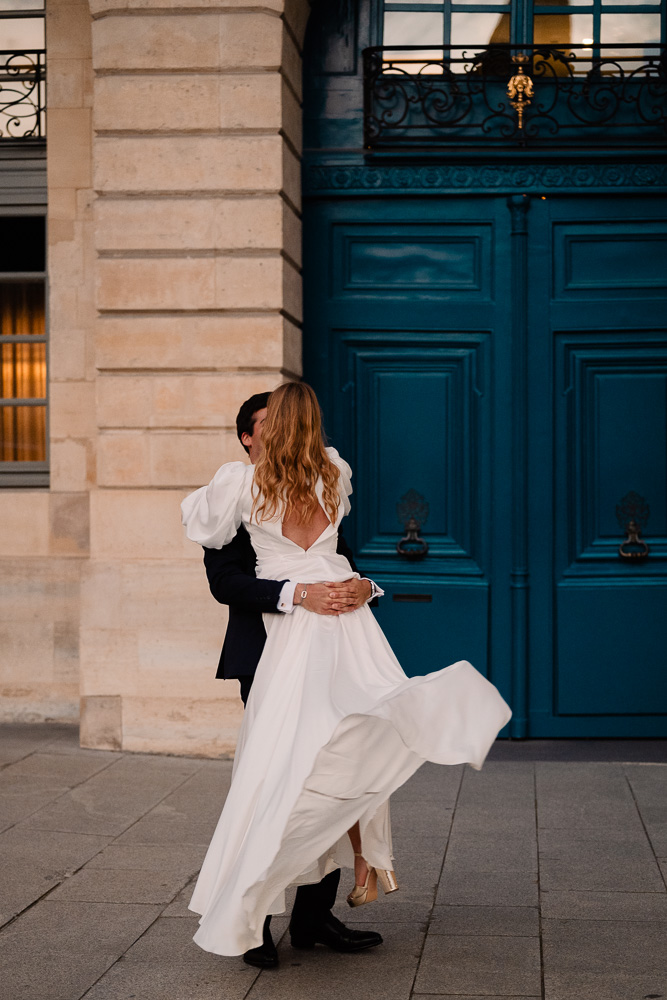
(333, 598)
(349, 595)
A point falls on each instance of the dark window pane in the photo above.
(22, 433)
(563, 29)
(22, 309)
(406, 28)
(640, 28)
(22, 243)
(480, 29)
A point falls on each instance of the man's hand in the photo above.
(333, 598)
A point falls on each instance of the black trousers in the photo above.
(313, 902)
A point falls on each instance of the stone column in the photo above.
(197, 231)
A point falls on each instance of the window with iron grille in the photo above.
(452, 73)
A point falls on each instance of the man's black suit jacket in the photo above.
(231, 578)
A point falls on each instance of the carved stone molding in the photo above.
(480, 178)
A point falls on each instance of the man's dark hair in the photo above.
(245, 421)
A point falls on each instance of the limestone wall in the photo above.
(198, 294)
(175, 293)
(44, 536)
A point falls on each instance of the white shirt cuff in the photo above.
(286, 599)
(375, 590)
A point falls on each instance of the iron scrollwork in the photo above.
(412, 511)
(22, 94)
(614, 95)
(632, 514)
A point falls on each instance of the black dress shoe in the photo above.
(335, 935)
(266, 956)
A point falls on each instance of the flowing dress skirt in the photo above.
(332, 727)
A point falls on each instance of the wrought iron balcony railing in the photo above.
(506, 95)
(22, 94)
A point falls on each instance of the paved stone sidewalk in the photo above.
(532, 878)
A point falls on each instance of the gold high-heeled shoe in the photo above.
(368, 892)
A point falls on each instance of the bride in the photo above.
(333, 725)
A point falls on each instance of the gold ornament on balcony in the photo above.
(520, 87)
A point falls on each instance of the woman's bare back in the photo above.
(305, 533)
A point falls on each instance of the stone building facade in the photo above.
(174, 293)
(480, 304)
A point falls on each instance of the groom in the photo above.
(232, 580)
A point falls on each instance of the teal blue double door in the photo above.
(499, 372)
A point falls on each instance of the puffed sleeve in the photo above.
(345, 479)
(212, 514)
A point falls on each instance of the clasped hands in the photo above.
(333, 598)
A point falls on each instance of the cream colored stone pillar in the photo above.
(197, 231)
(44, 535)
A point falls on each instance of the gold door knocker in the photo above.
(412, 511)
(520, 88)
(632, 514)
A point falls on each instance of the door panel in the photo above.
(611, 394)
(427, 411)
(610, 260)
(598, 660)
(431, 622)
(402, 318)
(611, 654)
(425, 261)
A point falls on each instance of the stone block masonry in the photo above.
(44, 537)
(196, 119)
(175, 293)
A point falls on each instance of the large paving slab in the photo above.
(479, 963)
(183, 858)
(604, 959)
(34, 862)
(461, 888)
(63, 769)
(38, 779)
(541, 876)
(56, 951)
(584, 796)
(383, 973)
(110, 801)
(590, 905)
(166, 981)
(513, 921)
(109, 885)
(605, 946)
(187, 815)
(21, 797)
(649, 787)
(21, 739)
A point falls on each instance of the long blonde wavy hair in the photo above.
(293, 458)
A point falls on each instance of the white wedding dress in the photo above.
(332, 727)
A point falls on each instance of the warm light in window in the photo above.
(586, 41)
